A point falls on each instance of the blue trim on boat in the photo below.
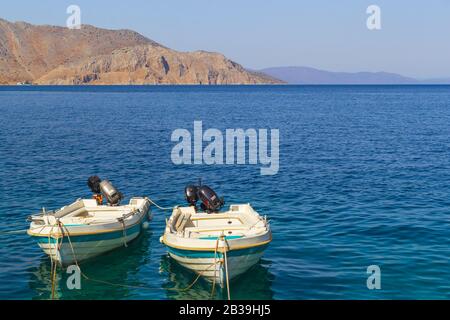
(94, 237)
(210, 254)
(215, 238)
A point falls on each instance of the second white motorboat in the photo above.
(217, 245)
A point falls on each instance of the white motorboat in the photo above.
(88, 228)
(217, 245)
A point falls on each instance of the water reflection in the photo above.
(121, 266)
(255, 284)
(136, 277)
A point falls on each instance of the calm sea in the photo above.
(364, 180)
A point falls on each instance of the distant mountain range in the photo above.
(306, 75)
(31, 54)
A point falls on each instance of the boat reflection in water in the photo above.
(255, 284)
(122, 266)
(134, 273)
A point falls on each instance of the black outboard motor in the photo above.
(191, 193)
(94, 184)
(210, 200)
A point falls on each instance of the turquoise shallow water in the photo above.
(364, 179)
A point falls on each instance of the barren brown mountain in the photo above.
(58, 55)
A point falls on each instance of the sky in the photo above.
(324, 34)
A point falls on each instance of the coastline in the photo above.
(230, 85)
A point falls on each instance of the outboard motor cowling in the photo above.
(191, 194)
(94, 184)
(112, 195)
(210, 200)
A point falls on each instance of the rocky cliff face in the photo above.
(57, 55)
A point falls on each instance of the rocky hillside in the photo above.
(58, 55)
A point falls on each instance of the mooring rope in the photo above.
(13, 227)
(53, 274)
(226, 265)
(124, 232)
(8, 232)
(160, 207)
(65, 232)
(125, 285)
(53, 262)
(215, 270)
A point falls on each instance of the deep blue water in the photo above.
(364, 179)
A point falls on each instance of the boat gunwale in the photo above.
(222, 248)
(58, 234)
(263, 236)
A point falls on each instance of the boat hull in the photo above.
(68, 240)
(72, 249)
(211, 265)
(217, 246)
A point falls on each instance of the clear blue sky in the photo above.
(332, 34)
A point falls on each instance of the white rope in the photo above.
(14, 225)
(13, 232)
(160, 207)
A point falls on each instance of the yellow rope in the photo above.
(53, 263)
(226, 267)
(196, 279)
(53, 276)
(59, 243)
(215, 269)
